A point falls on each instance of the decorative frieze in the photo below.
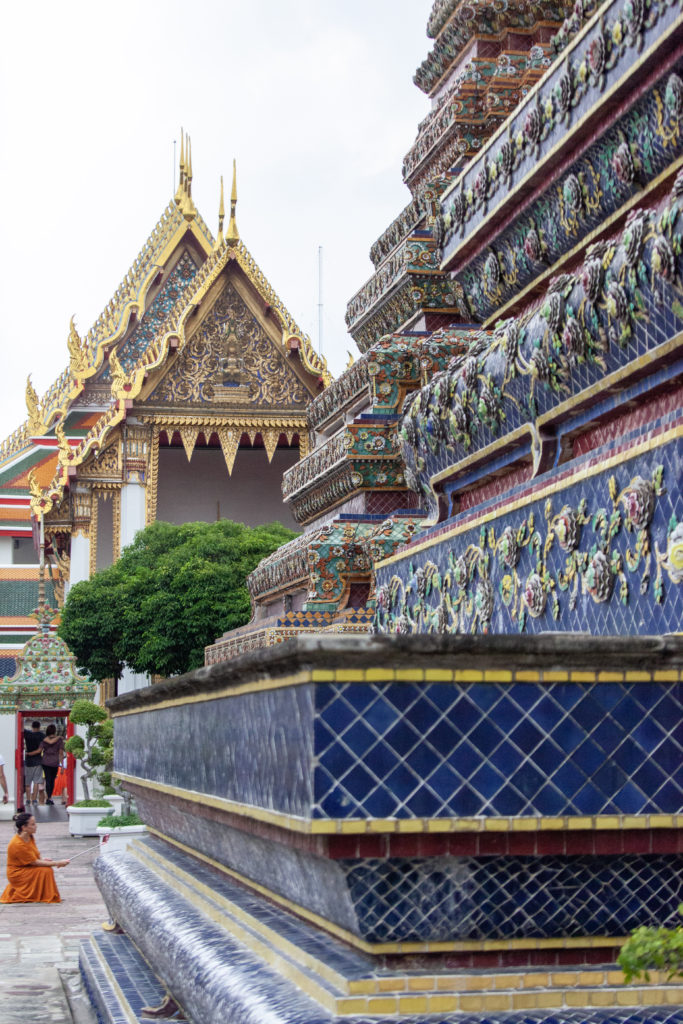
(602, 319)
(482, 18)
(598, 60)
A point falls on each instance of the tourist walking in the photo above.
(31, 877)
(3, 781)
(52, 749)
(33, 768)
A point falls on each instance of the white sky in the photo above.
(313, 97)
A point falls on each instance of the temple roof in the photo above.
(142, 328)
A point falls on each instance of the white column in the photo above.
(8, 739)
(79, 568)
(132, 511)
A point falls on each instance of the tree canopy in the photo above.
(174, 590)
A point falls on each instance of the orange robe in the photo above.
(28, 884)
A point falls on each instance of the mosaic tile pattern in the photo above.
(416, 750)
(449, 898)
(265, 742)
(405, 750)
(173, 287)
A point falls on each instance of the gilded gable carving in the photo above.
(230, 359)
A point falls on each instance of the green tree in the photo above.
(174, 590)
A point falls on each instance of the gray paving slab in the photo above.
(39, 942)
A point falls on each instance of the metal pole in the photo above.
(320, 300)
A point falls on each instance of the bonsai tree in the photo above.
(95, 752)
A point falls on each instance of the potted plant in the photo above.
(116, 831)
(94, 752)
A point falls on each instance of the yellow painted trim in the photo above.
(372, 826)
(584, 473)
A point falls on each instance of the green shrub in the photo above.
(653, 949)
(120, 820)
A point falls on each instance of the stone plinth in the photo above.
(343, 827)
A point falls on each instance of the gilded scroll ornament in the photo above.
(228, 352)
(36, 425)
(78, 355)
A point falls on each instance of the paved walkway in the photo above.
(39, 941)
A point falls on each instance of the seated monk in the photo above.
(31, 878)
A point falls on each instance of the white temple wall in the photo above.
(130, 680)
(201, 490)
(8, 739)
(132, 512)
(79, 568)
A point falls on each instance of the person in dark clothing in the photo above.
(33, 768)
(52, 749)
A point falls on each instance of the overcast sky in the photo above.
(314, 98)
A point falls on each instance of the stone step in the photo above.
(118, 981)
(345, 982)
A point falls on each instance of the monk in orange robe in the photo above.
(31, 878)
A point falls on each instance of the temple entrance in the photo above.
(202, 489)
(64, 728)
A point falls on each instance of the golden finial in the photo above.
(351, 359)
(181, 179)
(233, 234)
(188, 176)
(221, 217)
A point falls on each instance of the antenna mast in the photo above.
(320, 300)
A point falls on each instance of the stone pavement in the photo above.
(39, 942)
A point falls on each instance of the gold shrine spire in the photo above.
(233, 234)
(221, 218)
(183, 195)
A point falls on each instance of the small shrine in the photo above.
(44, 686)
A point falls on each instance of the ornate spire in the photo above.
(180, 191)
(233, 234)
(183, 195)
(221, 217)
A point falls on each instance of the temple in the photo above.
(186, 400)
(459, 817)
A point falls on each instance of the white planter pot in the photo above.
(115, 800)
(117, 839)
(83, 820)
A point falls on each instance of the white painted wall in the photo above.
(8, 733)
(132, 681)
(201, 490)
(132, 511)
(80, 559)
